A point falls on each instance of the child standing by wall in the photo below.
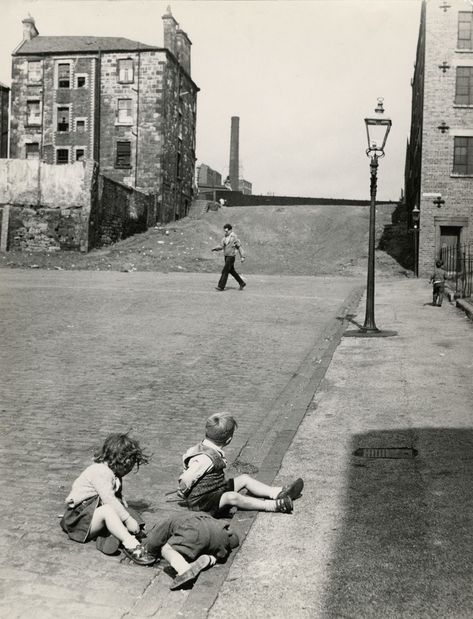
(195, 537)
(203, 486)
(438, 281)
(95, 505)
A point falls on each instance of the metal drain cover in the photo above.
(404, 453)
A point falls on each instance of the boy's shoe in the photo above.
(242, 285)
(284, 505)
(293, 491)
(191, 574)
(139, 555)
(219, 289)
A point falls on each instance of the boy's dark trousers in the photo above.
(229, 269)
(438, 294)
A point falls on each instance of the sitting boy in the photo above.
(198, 538)
(203, 486)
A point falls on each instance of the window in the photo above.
(124, 112)
(63, 119)
(80, 154)
(80, 125)
(125, 70)
(463, 155)
(465, 30)
(34, 71)
(81, 81)
(123, 159)
(33, 113)
(62, 155)
(63, 75)
(32, 150)
(464, 86)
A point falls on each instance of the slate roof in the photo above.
(2, 85)
(82, 44)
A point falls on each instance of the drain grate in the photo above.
(404, 453)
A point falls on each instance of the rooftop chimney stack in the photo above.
(183, 50)
(170, 28)
(29, 28)
(235, 153)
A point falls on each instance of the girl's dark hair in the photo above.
(119, 449)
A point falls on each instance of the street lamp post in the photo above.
(415, 227)
(377, 131)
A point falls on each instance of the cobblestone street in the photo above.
(88, 353)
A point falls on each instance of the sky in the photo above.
(300, 75)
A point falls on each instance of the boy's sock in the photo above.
(283, 505)
(274, 492)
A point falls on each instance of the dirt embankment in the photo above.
(289, 240)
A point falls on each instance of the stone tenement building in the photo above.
(129, 106)
(4, 99)
(439, 160)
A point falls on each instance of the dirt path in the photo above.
(289, 240)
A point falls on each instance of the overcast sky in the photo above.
(301, 75)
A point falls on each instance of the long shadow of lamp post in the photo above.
(377, 131)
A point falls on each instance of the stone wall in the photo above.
(49, 206)
(120, 212)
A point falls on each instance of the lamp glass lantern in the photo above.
(415, 217)
(377, 131)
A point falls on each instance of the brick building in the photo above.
(4, 101)
(439, 160)
(129, 106)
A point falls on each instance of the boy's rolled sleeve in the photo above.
(196, 468)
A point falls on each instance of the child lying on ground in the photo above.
(203, 486)
(190, 543)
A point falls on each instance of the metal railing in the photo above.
(458, 262)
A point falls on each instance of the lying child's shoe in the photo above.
(191, 574)
(293, 491)
(139, 555)
(284, 505)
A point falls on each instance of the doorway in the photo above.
(449, 246)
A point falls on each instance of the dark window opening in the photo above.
(123, 158)
(463, 155)
(80, 126)
(63, 119)
(465, 30)
(62, 155)
(80, 154)
(64, 75)
(32, 150)
(464, 86)
(81, 81)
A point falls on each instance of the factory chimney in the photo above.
(235, 153)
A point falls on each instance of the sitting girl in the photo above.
(95, 505)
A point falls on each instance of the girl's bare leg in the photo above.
(106, 517)
(174, 559)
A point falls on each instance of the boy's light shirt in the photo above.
(198, 466)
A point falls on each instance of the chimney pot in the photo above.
(29, 28)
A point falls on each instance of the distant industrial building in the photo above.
(4, 120)
(439, 160)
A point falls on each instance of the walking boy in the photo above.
(230, 244)
(438, 280)
(195, 537)
(203, 486)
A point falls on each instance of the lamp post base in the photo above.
(369, 333)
